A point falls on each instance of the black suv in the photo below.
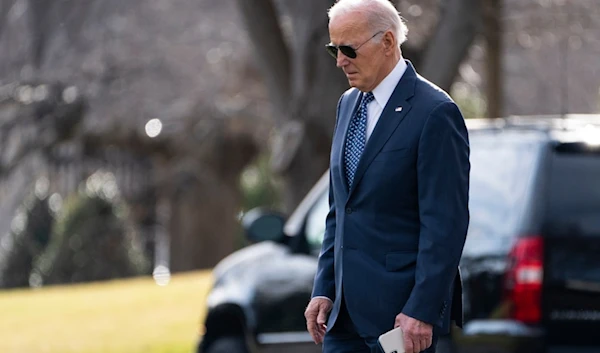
(530, 267)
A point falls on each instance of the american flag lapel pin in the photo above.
(398, 109)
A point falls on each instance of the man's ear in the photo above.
(389, 42)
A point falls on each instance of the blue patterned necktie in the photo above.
(357, 137)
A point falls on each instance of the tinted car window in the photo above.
(572, 217)
(574, 189)
(502, 172)
(315, 222)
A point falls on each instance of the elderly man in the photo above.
(399, 180)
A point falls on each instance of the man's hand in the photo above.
(316, 316)
(418, 335)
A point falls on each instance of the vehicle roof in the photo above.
(562, 129)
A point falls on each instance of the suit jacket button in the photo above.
(348, 210)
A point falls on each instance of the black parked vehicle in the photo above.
(531, 263)
(530, 267)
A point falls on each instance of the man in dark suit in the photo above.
(399, 180)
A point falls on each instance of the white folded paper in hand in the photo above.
(392, 341)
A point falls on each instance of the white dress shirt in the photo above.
(382, 94)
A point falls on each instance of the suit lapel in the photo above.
(388, 122)
(345, 118)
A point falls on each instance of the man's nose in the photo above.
(341, 60)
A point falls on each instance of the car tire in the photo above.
(233, 344)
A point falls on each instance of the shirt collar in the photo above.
(384, 90)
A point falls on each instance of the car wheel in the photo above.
(234, 344)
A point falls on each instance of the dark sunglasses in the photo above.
(346, 49)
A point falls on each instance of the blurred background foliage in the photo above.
(28, 239)
(260, 186)
(91, 239)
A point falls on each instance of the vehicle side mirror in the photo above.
(263, 225)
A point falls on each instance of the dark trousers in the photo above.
(343, 338)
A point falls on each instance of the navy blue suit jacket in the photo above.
(394, 237)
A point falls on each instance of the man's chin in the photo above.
(352, 82)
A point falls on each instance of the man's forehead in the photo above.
(347, 28)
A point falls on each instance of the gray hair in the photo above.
(381, 15)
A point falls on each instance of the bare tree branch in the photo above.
(493, 36)
(459, 24)
(262, 22)
(36, 125)
(39, 13)
(5, 6)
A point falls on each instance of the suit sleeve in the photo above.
(443, 169)
(324, 284)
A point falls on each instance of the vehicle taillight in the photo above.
(524, 279)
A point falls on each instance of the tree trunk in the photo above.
(269, 48)
(493, 36)
(201, 223)
(304, 86)
(316, 88)
(451, 41)
(5, 7)
(204, 199)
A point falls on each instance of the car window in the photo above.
(572, 217)
(502, 172)
(574, 189)
(315, 222)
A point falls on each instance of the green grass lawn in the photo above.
(126, 316)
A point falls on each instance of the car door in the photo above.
(571, 229)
